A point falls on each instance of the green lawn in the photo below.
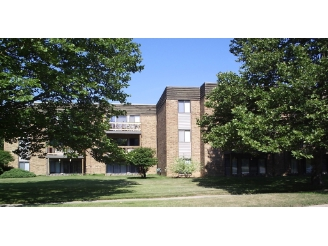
(246, 191)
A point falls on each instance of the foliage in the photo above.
(143, 158)
(17, 173)
(184, 167)
(5, 158)
(61, 90)
(282, 99)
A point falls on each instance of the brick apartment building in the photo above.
(170, 128)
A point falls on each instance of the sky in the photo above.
(178, 62)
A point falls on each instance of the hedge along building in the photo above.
(170, 127)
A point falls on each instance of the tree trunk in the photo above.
(142, 172)
(316, 173)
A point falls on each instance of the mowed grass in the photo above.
(237, 191)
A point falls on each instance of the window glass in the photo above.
(244, 166)
(181, 136)
(181, 106)
(184, 136)
(121, 118)
(308, 166)
(261, 166)
(134, 141)
(294, 166)
(187, 107)
(121, 141)
(184, 106)
(187, 136)
(134, 118)
(234, 165)
(24, 165)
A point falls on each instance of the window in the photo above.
(294, 168)
(308, 167)
(126, 141)
(184, 136)
(134, 118)
(121, 141)
(184, 106)
(124, 118)
(244, 166)
(261, 166)
(25, 165)
(121, 118)
(234, 165)
(134, 142)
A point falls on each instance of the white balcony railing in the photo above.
(124, 126)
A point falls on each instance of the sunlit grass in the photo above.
(249, 191)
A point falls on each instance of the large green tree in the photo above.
(5, 158)
(282, 104)
(143, 158)
(60, 91)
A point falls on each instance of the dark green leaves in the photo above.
(277, 103)
(74, 82)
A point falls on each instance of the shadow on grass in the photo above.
(58, 191)
(256, 185)
(138, 177)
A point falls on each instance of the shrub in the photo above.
(17, 173)
(143, 158)
(5, 158)
(184, 166)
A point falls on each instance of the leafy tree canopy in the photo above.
(143, 158)
(61, 90)
(5, 158)
(277, 103)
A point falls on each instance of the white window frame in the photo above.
(25, 163)
(136, 118)
(184, 136)
(184, 106)
(126, 118)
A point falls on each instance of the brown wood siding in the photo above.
(135, 109)
(206, 88)
(178, 93)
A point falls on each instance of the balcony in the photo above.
(125, 126)
(129, 148)
(54, 153)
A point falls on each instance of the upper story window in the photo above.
(126, 118)
(184, 136)
(134, 118)
(184, 106)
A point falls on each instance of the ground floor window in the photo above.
(308, 166)
(293, 166)
(244, 164)
(65, 165)
(262, 169)
(121, 168)
(25, 165)
(234, 166)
